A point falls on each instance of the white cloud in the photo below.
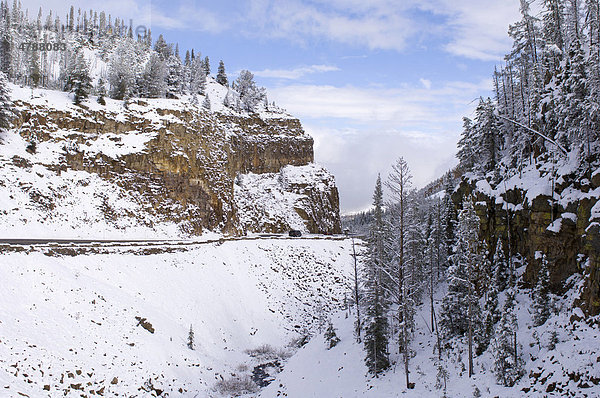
(419, 123)
(426, 83)
(475, 29)
(183, 15)
(365, 24)
(297, 73)
(356, 157)
(402, 106)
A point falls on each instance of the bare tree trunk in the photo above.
(406, 360)
(516, 354)
(470, 319)
(439, 340)
(470, 347)
(356, 294)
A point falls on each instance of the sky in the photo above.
(370, 80)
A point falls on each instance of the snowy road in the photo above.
(162, 242)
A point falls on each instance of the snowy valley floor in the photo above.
(114, 320)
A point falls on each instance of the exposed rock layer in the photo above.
(572, 246)
(190, 159)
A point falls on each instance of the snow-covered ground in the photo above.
(316, 372)
(70, 323)
(37, 201)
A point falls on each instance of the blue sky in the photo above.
(370, 80)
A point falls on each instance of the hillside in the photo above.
(114, 320)
(105, 133)
(161, 167)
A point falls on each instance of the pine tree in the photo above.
(190, 341)
(221, 76)
(122, 71)
(197, 76)
(541, 295)
(406, 253)
(508, 364)
(174, 76)
(250, 94)
(80, 81)
(500, 267)
(331, 337)
(491, 316)
(5, 102)
(206, 103)
(460, 307)
(35, 75)
(101, 91)
(163, 49)
(358, 324)
(376, 324)
(155, 75)
(206, 66)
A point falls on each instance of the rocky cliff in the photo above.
(553, 214)
(178, 160)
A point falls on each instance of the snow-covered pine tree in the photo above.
(356, 293)
(486, 136)
(154, 83)
(80, 80)
(508, 364)
(122, 70)
(250, 93)
(500, 267)
(331, 337)
(541, 294)
(35, 74)
(174, 76)
(197, 76)
(376, 305)
(5, 102)
(194, 99)
(461, 313)
(221, 75)
(206, 103)
(232, 100)
(190, 340)
(491, 316)
(101, 91)
(466, 145)
(206, 64)
(163, 49)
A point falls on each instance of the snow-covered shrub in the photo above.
(267, 352)
(236, 386)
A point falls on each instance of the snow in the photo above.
(595, 213)
(555, 225)
(271, 199)
(116, 145)
(37, 201)
(340, 372)
(62, 312)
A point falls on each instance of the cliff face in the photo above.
(564, 226)
(179, 160)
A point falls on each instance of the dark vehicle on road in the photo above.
(295, 233)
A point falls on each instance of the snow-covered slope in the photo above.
(570, 369)
(115, 320)
(270, 201)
